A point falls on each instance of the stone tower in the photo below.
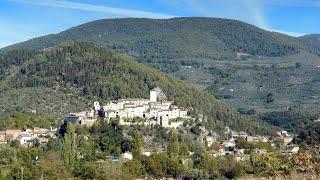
(153, 96)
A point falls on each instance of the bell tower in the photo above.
(153, 96)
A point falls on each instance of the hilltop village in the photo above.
(118, 146)
(134, 111)
(148, 112)
(164, 113)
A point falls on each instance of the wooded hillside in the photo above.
(76, 73)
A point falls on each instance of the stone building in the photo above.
(164, 113)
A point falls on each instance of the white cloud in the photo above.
(96, 8)
(255, 9)
(250, 11)
(294, 34)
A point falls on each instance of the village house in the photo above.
(84, 117)
(28, 137)
(256, 139)
(285, 137)
(227, 144)
(238, 154)
(41, 132)
(224, 152)
(26, 140)
(210, 140)
(12, 134)
(239, 151)
(9, 135)
(127, 156)
(248, 138)
(290, 149)
(241, 134)
(3, 140)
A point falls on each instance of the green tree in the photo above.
(270, 98)
(8, 156)
(173, 145)
(206, 163)
(267, 164)
(138, 141)
(184, 150)
(230, 168)
(87, 147)
(133, 167)
(156, 165)
(174, 167)
(69, 147)
(241, 143)
(52, 167)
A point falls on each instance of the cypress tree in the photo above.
(173, 145)
(69, 147)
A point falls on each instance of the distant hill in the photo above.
(71, 76)
(152, 39)
(312, 39)
(263, 84)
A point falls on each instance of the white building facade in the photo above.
(150, 111)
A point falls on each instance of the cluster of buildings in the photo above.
(29, 137)
(87, 118)
(134, 111)
(228, 147)
(285, 137)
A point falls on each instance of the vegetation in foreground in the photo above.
(95, 153)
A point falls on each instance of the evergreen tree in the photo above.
(63, 128)
(138, 141)
(69, 147)
(173, 145)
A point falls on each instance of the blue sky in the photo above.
(25, 19)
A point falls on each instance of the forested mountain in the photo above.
(68, 76)
(312, 39)
(293, 121)
(257, 71)
(152, 39)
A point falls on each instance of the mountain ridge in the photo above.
(312, 39)
(241, 64)
(149, 39)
